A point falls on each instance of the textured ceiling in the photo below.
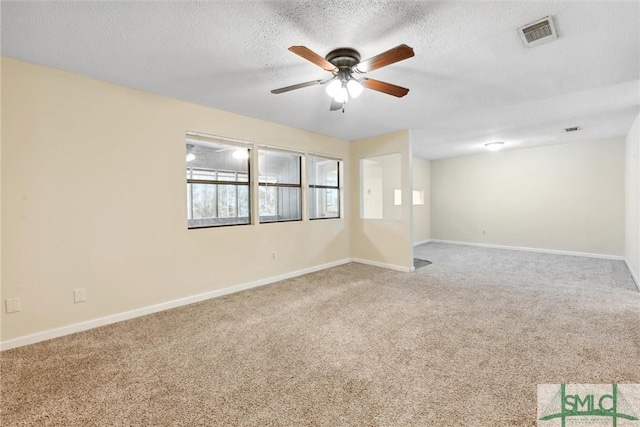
(472, 81)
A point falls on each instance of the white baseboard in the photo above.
(384, 265)
(119, 317)
(421, 242)
(518, 248)
(633, 274)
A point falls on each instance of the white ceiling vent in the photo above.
(539, 32)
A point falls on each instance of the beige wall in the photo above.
(94, 196)
(632, 198)
(421, 213)
(567, 197)
(385, 241)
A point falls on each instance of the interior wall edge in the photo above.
(633, 274)
(632, 200)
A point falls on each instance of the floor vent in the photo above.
(539, 32)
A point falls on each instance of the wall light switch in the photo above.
(12, 305)
(79, 295)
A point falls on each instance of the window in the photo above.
(217, 183)
(324, 188)
(279, 184)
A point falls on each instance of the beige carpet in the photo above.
(463, 341)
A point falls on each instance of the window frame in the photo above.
(216, 140)
(267, 184)
(337, 187)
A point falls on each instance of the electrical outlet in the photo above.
(484, 231)
(12, 305)
(79, 295)
(273, 255)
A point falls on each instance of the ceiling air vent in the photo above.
(539, 32)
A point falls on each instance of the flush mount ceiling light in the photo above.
(494, 146)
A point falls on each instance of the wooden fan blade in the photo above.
(389, 57)
(335, 106)
(384, 87)
(298, 86)
(311, 56)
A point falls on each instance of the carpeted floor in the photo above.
(463, 341)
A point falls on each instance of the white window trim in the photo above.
(307, 185)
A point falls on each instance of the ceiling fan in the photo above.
(345, 65)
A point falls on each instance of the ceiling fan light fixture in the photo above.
(354, 87)
(343, 63)
(334, 88)
(342, 96)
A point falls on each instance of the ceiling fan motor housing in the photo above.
(344, 58)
